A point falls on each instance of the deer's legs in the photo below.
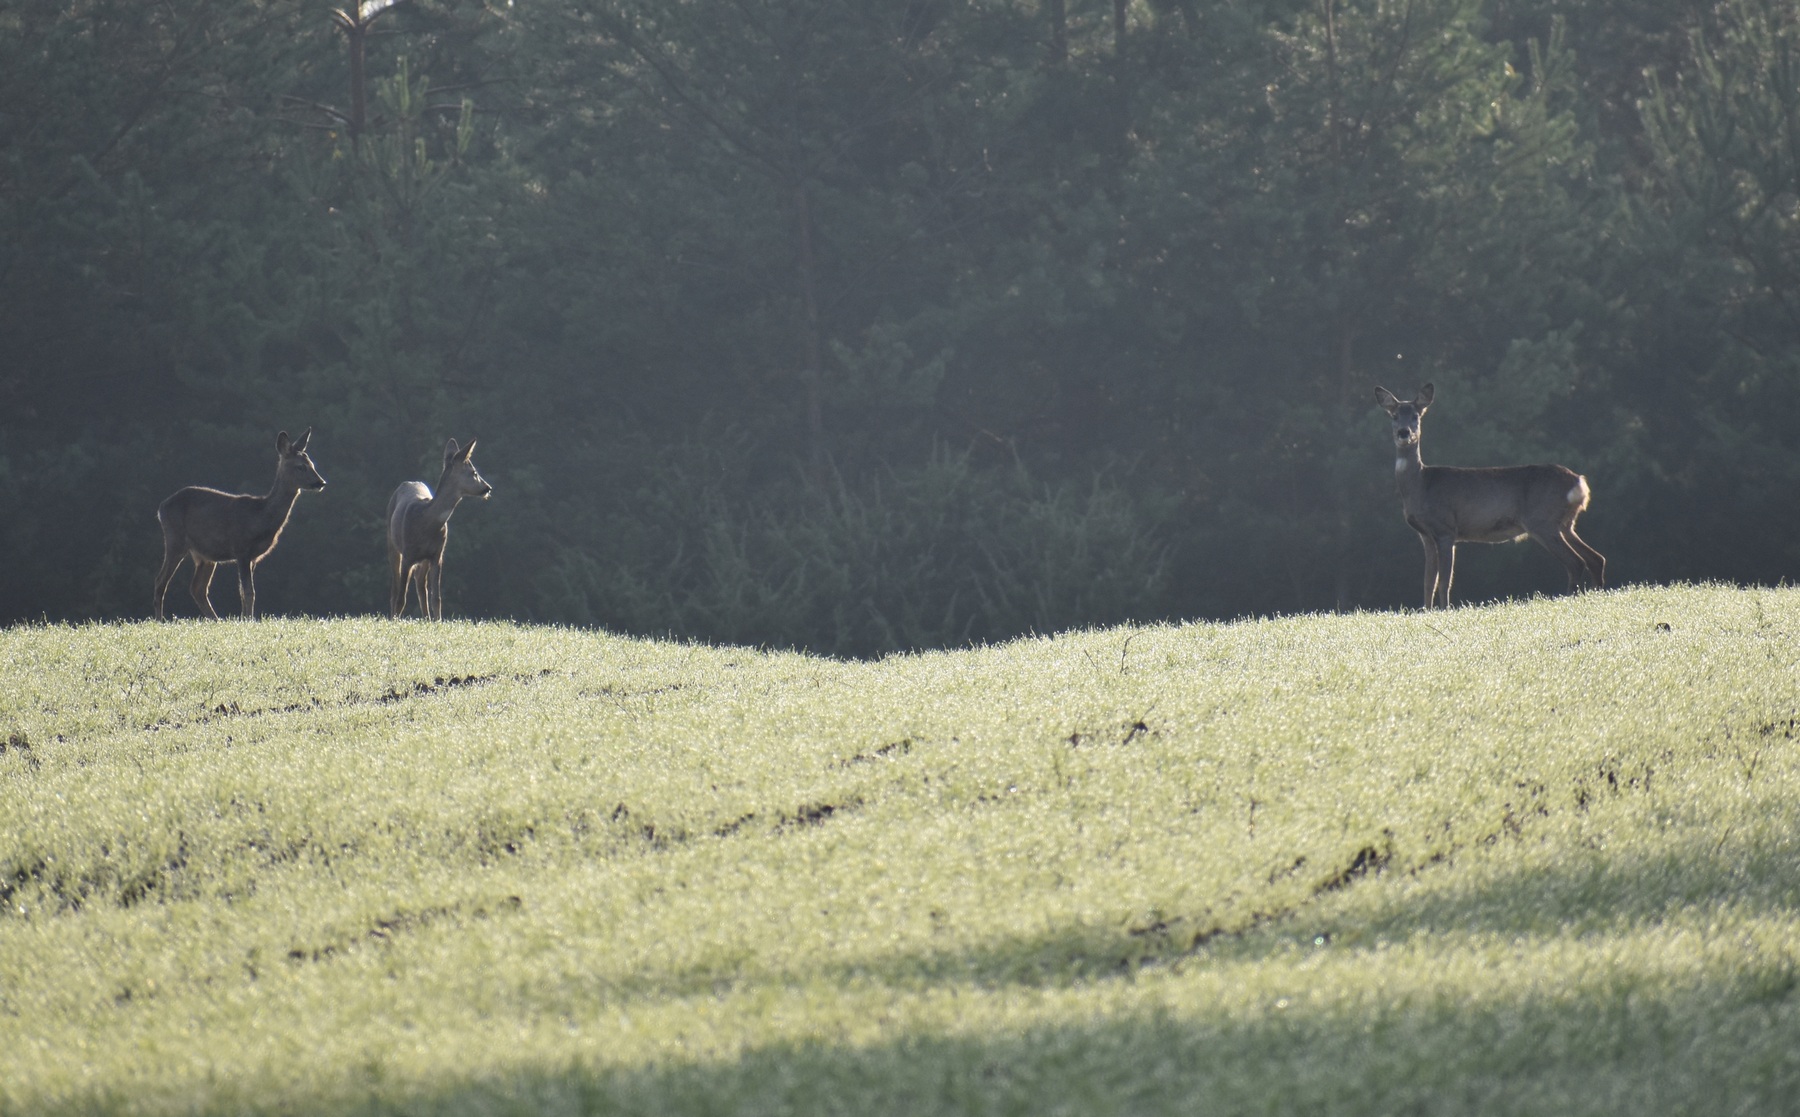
(247, 588)
(165, 575)
(397, 585)
(1573, 561)
(1446, 569)
(437, 590)
(1431, 574)
(428, 589)
(200, 587)
(1592, 559)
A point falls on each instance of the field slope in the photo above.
(1537, 858)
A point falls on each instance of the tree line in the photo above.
(871, 324)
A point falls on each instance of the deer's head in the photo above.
(1405, 414)
(294, 464)
(459, 472)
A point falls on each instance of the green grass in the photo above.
(1534, 858)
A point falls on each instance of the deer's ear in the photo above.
(282, 443)
(1388, 401)
(451, 449)
(467, 450)
(1425, 396)
(300, 443)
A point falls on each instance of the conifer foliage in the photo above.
(893, 323)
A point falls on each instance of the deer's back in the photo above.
(407, 534)
(1496, 503)
(219, 526)
(179, 503)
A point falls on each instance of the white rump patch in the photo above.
(1578, 495)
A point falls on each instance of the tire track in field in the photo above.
(388, 928)
(441, 684)
(1533, 803)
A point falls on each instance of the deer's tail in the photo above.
(1578, 495)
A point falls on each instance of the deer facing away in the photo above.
(1447, 505)
(418, 526)
(214, 527)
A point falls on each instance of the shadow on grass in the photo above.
(1617, 1042)
(1685, 1052)
(1604, 894)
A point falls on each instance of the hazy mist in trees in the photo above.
(873, 324)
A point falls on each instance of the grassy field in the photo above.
(1533, 858)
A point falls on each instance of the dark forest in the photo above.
(861, 325)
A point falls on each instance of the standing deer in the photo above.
(1499, 504)
(418, 526)
(214, 527)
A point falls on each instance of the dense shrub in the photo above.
(943, 553)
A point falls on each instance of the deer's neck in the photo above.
(263, 528)
(1409, 472)
(441, 504)
(280, 502)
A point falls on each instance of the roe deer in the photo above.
(1500, 504)
(418, 526)
(214, 527)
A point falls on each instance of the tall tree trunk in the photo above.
(356, 33)
(1121, 80)
(812, 347)
(1331, 80)
(1346, 352)
(1346, 364)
